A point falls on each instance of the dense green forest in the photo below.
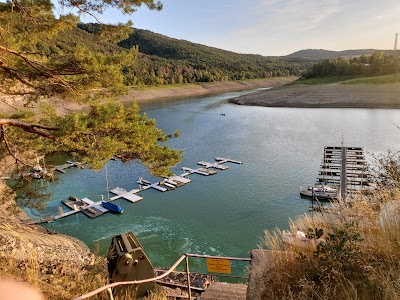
(378, 63)
(164, 60)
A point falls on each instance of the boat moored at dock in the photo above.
(112, 207)
(344, 171)
(94, 209)
(321, 192)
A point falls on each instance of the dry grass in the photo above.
(54, 281)
(58, 279)
(358, 256)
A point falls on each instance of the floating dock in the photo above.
(222, 160)
(94, 209)
(179, 180)
(344, 169)
(68, 164)
(74, 203)
(201, 171)
(213, 165)
(122, 193)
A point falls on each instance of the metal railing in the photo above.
(185, 257)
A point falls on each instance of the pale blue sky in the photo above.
(272, 27)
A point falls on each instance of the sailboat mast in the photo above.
(108, 195)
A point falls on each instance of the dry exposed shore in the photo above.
(202, 89)
(326, 96)
(10, 104)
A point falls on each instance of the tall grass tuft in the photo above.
(357, 256)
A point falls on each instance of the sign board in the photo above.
(219, 265)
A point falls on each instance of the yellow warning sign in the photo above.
(219, 265)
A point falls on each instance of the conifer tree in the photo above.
(37, 62)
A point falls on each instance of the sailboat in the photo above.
(37, 171)
(108, 204)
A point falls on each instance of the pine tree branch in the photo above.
(3, 137)
(28, 127)
(15, 73)
(6, 103)
(42, 69)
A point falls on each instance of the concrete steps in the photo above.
(225, 291)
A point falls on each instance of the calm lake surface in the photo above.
(224, 214)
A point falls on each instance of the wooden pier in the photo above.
(68, 164)
(94, 209)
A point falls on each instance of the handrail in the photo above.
(224, 257)
(170, 270)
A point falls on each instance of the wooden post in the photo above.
(343, 174)
(110, 295)
(188, 277)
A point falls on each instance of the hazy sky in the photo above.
(273, 27)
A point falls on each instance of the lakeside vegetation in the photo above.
(376, 64)
(354, 251)
(381, 79)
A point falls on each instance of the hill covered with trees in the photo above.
(376, 64)
(164, 60)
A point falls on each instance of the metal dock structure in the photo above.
(94, 209)
(344, 169)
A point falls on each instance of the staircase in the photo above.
(225, 291)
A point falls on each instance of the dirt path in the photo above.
(326, 96)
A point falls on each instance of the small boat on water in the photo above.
(321, 192)
(112, 207)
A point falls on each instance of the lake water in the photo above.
(224, 214)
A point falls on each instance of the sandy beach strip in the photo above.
(326, 96)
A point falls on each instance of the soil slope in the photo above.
(326, 96)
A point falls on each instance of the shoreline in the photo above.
(188, 90)
(11, 104)
(335, 95)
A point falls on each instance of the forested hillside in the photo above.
(378, 63)
(165, 60)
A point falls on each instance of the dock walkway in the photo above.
(122, 193)
(68, 164)
(94, 209)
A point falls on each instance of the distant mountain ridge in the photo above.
(320, 54)
(159, 45)
(202, 56)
